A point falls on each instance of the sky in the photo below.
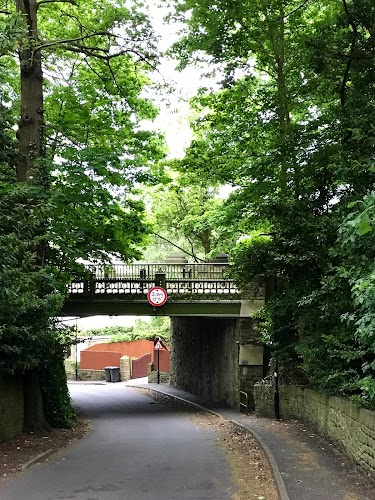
(173, 119)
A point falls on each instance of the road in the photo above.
(138, 449)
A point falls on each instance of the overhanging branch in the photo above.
(41, 2)
(72, 40)
(176, 246)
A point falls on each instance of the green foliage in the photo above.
(109, 331)
(117, 333)
(13, 29)
(367, 386)
(291, 129)
(187, 212)
(356, 246)
(143, 329)
(156, 327)
(95, 146)
(57, 406)
(30, 296)
(251, 257)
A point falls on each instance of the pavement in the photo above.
(305, 466)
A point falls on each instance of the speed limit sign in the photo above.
(157, 296)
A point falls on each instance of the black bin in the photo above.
(107, 372)
(115, 373)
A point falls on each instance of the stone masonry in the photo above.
(205, 357)
(350, 427)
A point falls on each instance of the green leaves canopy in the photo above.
(292, 131)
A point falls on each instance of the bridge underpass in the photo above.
(214, 338)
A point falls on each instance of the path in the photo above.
(138, 449)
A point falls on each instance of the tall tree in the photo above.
(70, 170)
(184, 215)
(291, 131)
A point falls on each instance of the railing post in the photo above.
(142, 275)
(186, 272)
(89, 284)
(160, 279)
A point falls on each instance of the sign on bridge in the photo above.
(157, 296)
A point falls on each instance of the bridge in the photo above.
(193, 290)
(215, 350)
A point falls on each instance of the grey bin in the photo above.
(107, 372)
(115, 373)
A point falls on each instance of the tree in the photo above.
(156, 327)
(287, 130)
(67, 174)
(184, 214)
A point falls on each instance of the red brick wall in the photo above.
(140, 366)
(98, 360)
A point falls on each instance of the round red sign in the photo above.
(157, 296)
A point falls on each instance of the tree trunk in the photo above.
(30, 138)
(30, 128)
(33, 405)
(277, 38)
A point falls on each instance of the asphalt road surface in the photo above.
(138, 449)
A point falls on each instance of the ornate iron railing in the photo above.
(124, 286)
(189, 279)
(148, 271)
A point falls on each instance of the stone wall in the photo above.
(251, 360)
(205, 357)
(86, 375)
(350, 427)
(125, 368)
(11, 407)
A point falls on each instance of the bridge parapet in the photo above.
(171, 271)
(140, 287)
(192, 289)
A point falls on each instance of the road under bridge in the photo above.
(215, 349)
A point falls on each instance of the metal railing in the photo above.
(244, 406)
(128, 286)
(137, 279)
(172, 271)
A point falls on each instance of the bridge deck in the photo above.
(193, 290)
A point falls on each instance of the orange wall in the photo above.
(133, 349)
(163, 358)
(93, 360)
(140, 366)
(98, 356)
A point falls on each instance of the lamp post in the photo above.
(76, 361)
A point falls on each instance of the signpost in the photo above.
(158, 345)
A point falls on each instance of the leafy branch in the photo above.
(41, 2)
(178, 247)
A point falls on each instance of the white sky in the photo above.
(173, 119)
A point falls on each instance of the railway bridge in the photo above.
(215, 349)
(193, 290)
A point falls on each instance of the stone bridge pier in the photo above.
(216, 358)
